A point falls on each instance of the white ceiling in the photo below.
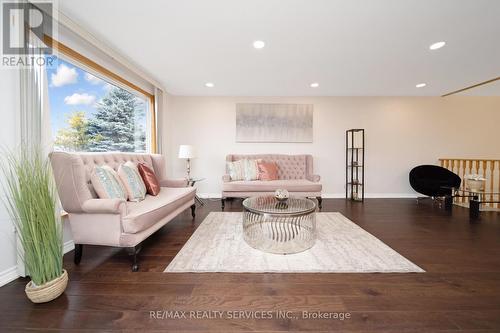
(351, 47)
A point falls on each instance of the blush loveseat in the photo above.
(115, 222)
(295, 174)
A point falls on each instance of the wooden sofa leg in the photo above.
(320, 202)
(193, 210)
(222, 203)
(134, 252)
(78, 253)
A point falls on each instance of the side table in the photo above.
(191, 182)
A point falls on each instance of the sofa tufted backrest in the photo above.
(289, 166)
(72, 173)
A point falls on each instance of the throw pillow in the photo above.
(107, 184)
(149, 178)
(236, 170)
(130, 177)
(251, 169)
(268, 171)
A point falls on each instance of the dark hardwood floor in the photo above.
(460, 291)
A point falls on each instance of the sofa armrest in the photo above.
(314, 178)
(178, 182)
(226, 178)
(104, 206)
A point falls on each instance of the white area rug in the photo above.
(342, 247)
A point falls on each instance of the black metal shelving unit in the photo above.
(355, 164)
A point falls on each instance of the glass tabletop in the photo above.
(484, 192)
(195, 179)
(270, 205)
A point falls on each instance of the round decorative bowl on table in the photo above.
(272, 227)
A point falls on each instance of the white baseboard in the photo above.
(68, 246)
(390, 195)
(8, 275)
(332, 195)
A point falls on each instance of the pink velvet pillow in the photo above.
(149, 178)
(268, 171)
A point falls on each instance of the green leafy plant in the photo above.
(30, 199)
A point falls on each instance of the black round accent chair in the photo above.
(433, 180)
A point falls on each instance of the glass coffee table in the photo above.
(280, 227)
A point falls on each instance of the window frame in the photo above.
(108, 75)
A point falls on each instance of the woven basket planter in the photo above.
(48, 291)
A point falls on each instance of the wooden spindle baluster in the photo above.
(460, 174)
(462, 167)
(497, 189)
(484, 176)
(492, 187)
(462, 185)
(470, 171)
(441, 162)
(452, 166)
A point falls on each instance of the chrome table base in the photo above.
(274, 228)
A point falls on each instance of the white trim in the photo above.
(68, 246)
(8, 275)
(333, 195)
(390, 195)
(372, 195)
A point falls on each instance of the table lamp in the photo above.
(187, 152)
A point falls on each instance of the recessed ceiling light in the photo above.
(420, 85)
(209, 84)
(258, 44)
(437, 45)
(314, 85)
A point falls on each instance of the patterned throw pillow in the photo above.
(149, 178)
(268, 171)
(107, 184)
(251, 169)
(236, 169)
(130, 177)
(244, 169)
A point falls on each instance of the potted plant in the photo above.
(30, 199)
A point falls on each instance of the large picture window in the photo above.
(91, 113)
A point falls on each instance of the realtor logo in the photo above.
(24, 26)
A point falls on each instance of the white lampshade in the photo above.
(186, 151)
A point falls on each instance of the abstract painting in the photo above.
(274, 122)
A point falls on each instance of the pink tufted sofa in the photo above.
(295, 173)
(115, 222)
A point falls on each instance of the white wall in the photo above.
(401, 132)
(9, 134)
